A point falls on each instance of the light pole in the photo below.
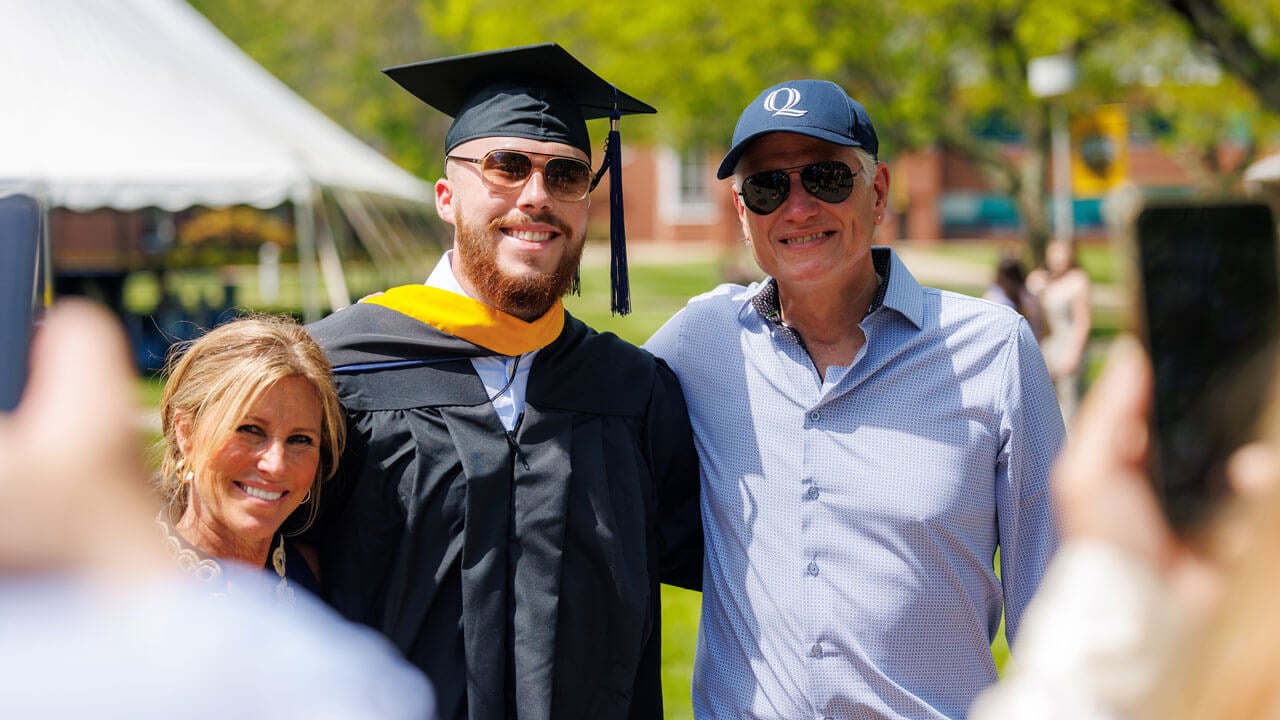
(1053, 76)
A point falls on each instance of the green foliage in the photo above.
(928, 70)
(923, 67)
(332, 53)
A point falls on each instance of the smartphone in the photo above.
(1209, 303)
(20, 240)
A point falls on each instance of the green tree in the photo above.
(332, 54)
(930, 71)
(1242, 36)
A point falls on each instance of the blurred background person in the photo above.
(95, 621)
(1063, 290)
(1009, 288)
(252, 428)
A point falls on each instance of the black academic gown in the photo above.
(519, 570)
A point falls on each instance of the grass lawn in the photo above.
(680, 610)
(657, 292)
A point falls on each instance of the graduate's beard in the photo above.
(529, 296)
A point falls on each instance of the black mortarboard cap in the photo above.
(537, 92)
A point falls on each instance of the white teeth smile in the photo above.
(530, 236)
(803, 239)
(261, 494)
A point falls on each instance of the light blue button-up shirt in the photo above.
(851, 522)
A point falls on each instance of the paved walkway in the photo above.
(932, 268)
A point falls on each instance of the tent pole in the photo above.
(304, 222)
(335, 282)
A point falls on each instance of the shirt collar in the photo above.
(904, 297)
(901, 291)
(442, 276)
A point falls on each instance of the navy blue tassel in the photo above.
(619, 282)
(618, 277)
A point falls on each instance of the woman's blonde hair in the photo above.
(214, 381)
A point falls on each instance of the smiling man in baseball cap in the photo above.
(867, 444)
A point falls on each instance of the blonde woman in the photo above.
(252, 428)
(86, 592)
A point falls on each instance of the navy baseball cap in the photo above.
(817, 108)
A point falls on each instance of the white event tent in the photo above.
(128, 104)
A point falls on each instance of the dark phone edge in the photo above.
(1136, 318)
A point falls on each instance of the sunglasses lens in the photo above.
(567, 178)
(830, 181)
(505, 169)
(765, 192)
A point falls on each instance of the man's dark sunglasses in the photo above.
(831, 181)
(506, 171)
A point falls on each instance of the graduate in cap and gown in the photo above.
(515, 485)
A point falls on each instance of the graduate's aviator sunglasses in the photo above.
(831, 181)
(506, 171)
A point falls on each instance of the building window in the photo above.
(685, 182)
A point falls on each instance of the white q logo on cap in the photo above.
(790, 97)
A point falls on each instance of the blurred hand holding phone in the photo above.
(1207, 305)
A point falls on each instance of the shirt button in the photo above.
(811, 493)
(815, 416)
(816, 650)
(813, 569)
